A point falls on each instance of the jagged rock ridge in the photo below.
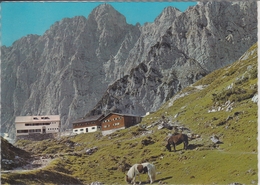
(177, 50)
(67, 70)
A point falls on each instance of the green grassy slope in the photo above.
(203, 163)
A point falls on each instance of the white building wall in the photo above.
(53, 127)
(85, 129)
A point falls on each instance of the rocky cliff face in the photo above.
(67, 70)
(177, 50)
(64, 71)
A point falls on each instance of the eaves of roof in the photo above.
(87, 119)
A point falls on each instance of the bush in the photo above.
(236, 94)
(253, 73)
(242, 80)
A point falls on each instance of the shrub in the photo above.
(242, 80)
(236, 94)
(253, 73)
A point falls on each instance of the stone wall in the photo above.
(37, 136)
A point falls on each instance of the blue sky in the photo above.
(22, 18)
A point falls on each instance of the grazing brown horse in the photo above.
(177, 139)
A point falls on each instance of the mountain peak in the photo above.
(168, 13)
(106, 13)
(104, 8)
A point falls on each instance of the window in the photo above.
(45, 117)
(34, 130)
(75, 130)
(22, 131)
(93, 128)
(81, 129)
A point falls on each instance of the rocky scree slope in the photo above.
(67, 70)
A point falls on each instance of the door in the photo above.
(44, 130)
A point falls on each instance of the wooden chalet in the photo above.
(115, 121)
(86, 125)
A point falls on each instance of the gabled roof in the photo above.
(87, 119)
(130, 115)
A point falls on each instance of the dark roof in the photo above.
(130, 115)
(89, 118)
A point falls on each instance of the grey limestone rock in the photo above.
(65, 70)
(176, 50)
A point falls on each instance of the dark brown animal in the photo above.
(177, 139)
